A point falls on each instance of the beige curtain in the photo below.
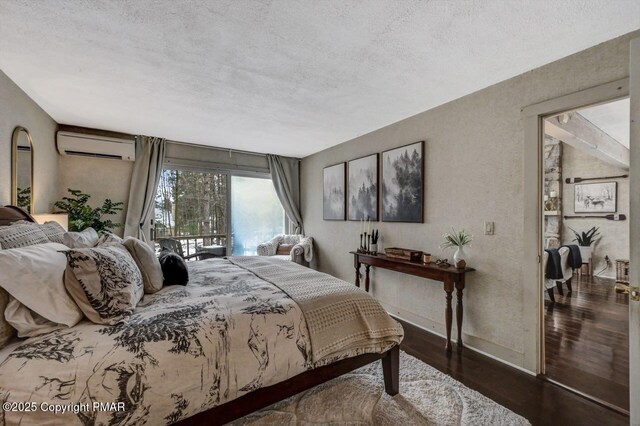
(150, 153)
(285, 174)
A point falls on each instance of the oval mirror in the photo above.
(22, 169)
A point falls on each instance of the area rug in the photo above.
(427, 397)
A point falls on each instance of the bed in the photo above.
(243, 334)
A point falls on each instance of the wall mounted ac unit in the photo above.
(86, 145)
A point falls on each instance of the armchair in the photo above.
(297, 248)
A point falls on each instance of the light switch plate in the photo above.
(488, 228)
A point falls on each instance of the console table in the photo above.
(450, 276)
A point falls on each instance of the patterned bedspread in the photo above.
(185, 349)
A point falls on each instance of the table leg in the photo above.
(366, 277)
(459, 310)
(448, 313)
(357, 274)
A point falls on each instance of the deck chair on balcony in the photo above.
(175, 246)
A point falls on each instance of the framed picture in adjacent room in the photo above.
(362, 188)
(599, 197)
(403, 184)
(334, 192)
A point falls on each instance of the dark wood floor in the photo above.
(539, 401)
(587, 340)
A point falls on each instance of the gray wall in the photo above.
(101, 178)
(615, 235)
(474, 173)
(17, 109)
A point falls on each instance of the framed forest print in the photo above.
(334, 192)
(403, 184)
(362, 188)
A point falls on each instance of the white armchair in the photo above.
(297, 248)
(567, 273)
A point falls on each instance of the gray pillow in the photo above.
(21, 235)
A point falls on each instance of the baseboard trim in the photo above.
(584, 395)
(466, 343)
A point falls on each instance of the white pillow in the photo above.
(84, 239)
(7, 332)
(34, 276)
(27, 322)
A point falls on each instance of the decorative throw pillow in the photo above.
(34, 277)
(104, 281)
(84, 239)
(6, 330)
(147, 262)
(174, 269)
(21, 235)
(109, 238)
(54, 231)
(284, 249)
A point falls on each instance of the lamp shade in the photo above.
(61, 218)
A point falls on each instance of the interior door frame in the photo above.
(634, 229)
(533, 121)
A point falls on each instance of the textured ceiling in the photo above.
(613, 118)
(286, 77)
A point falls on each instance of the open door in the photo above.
(634, 226)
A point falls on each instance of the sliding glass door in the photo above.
(256, 213)
(217, 208)
(192, 208)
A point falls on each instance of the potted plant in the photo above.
(585, 240)
(82, 215)
(457, 239)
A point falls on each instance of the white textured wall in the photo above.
(17, 109)
(101, 178)
(474, 173)
(615, 235)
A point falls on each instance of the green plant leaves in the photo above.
(83, 216)
(586, 239)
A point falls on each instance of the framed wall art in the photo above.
(599, 197)
(403, 184)
(334, 192)
(362, 188)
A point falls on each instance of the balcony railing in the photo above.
(190, 242)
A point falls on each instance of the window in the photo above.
(256, 214)
(191, 207)
(194, 207)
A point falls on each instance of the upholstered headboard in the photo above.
(10, 214)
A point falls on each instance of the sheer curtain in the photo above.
(150, 153)
(285, 174)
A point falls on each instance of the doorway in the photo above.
(585, 237)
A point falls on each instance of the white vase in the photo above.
(374, 248)
(460, 258)
(585, 253)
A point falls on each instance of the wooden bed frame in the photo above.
(10, 214)
(264, 397)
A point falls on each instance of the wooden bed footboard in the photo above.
(264, 397)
